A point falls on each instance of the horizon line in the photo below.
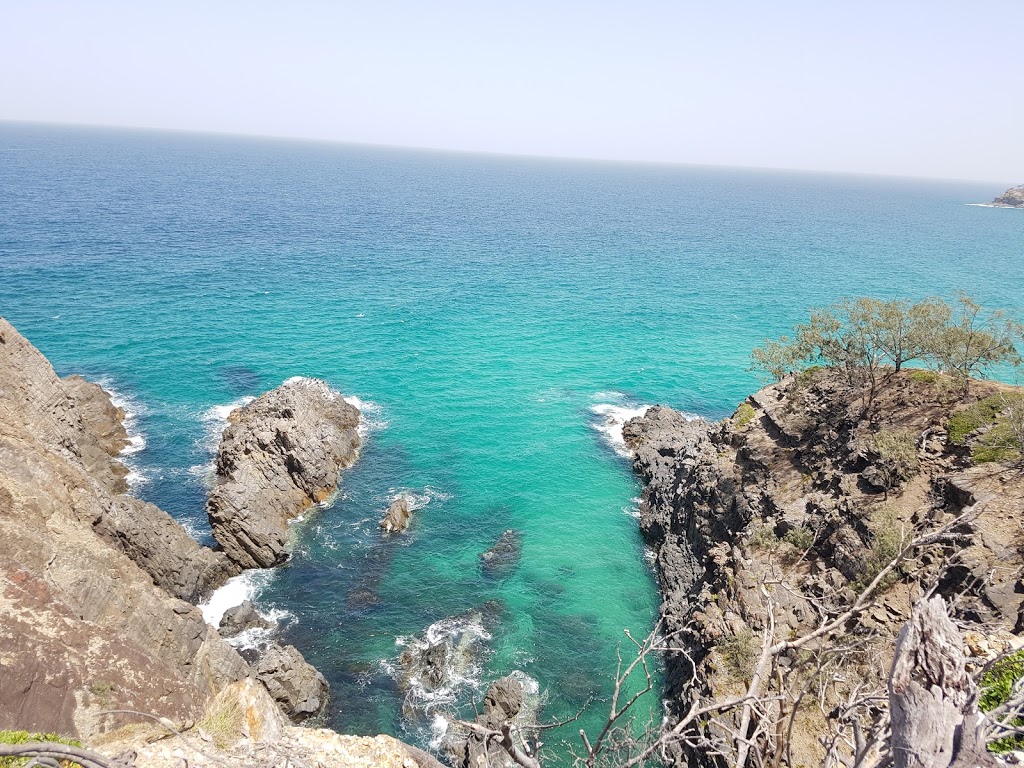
(494, 153)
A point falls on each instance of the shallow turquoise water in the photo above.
(483, 306)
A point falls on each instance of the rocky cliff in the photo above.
(1011, 198)
(280, 454)
(94, 585)
(772, 523)
(100, 637)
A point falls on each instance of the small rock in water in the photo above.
(397, 517)
(504, 556)
(240, 618)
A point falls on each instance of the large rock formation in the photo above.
(280, 454)
(771, 522)
(1011, 198)
(296, 685)
(86, 628)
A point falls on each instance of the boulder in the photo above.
(397, 517)
(295, 684)
(281, 453)
(241, 618)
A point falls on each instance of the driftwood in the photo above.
(932, 698)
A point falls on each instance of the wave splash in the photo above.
(133, 409)
(608, 418)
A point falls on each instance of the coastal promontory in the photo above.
(1011, 198)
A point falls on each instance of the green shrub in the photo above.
(996, 687)
(744, 415)
(897, 449)
(739, 653)
(24, 737)
(921, 376)
(979, 414)
(886, 543)
(764, 537)
(800, 537)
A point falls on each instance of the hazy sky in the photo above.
(930, 88)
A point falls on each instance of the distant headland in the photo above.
(1011, 198)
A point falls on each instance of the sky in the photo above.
(896, 87)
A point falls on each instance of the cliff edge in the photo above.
(771, 524)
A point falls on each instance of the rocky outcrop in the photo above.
(778, 517)
(241, 618)
(104, 436)
(503, 704)
(1011, 198)
(243, 728)
(86, 628)
(281, 453)
(396, 519)
(295, 684)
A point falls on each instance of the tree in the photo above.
(973, 342)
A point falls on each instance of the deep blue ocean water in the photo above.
(490, 312)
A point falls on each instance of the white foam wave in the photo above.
(418, 499)
(214, 421)
(464, 638)
(370, 419)
(235, 591)
(611, 418)
(132, 408)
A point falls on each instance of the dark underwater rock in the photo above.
(504, 556)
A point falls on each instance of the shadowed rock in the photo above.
(281, 454)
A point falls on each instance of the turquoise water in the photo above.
(483, 306)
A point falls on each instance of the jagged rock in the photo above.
(240, 618)
(282, 453)
(728, 512)
(295, 684)
(503, 703)
(397, 517)
(1011, 198)
(504, 556)
(85, 628)
(104, 436)
(160, 546)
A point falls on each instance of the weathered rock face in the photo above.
(281, 454)
(1011, 198)
(297, 686)
(502, 704)
(396, 519)
(85, 628)
(772, 511)
(104, 436)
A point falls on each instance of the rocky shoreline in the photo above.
(102, 639)
(1011, 198)
(777, 516)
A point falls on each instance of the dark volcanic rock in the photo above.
(1011, 198)
(281, 454)
(240, 618)
(298, 688)
(397, 517)
(504, 556)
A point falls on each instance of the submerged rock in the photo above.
(296, 685)
(504, 556)
(282, 453)
(241, 618)
(397, 517)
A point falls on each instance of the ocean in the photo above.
(496, 318)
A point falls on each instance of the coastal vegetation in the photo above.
(866, 338)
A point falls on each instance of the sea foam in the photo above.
(132, 408)
(609, 420)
